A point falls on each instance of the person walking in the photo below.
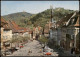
(73, 50)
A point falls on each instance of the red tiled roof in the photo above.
(39, 28)
(34, 29)
(5, 25)
(30, 32)
(46, 30)
(12, 26)
(22, 30)
(15, 25)
(3, 22)
(16, 28)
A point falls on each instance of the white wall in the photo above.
(7, 35)
(26, 34)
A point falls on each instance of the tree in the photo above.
(29, 22)
(43, 40)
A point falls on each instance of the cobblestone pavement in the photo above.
(33, 46)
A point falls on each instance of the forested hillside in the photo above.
(21, 18)
(25, 19)
(42, 18)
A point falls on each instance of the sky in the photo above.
(34, 7)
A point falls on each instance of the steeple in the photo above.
(51, 7)
(52, 21)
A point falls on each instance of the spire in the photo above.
(51, 7)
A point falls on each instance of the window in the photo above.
(5, 37)
(77, 30)
(72, 36)
(72, 21)
(5, 31)
(73, 30)
(67, 30)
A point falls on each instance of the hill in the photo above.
(42, 18)
(20, 18)
(25, 19)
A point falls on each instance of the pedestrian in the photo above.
(30, 51)
(43, 48)
(73, 50)
(40, 50)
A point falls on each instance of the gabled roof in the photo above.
(46, 28)
(39, 28)
(15, 28)
(12, 26)
(6, 26)
(64, 20)
(34, 28)
(3, 22)
(77, 22)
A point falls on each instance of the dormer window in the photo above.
(73, 21)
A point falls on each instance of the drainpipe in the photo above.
(79, 40)
(75, 41)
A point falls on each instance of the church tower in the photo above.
(51, 8)
(52, 20)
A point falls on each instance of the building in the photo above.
(36, 32)
(18, 31)
(46, 30)
(6, 34)
(74, 27)
(53, 29)
(62, 31)
(69, 29)
(3, 22)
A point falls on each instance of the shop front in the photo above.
(6, 44)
